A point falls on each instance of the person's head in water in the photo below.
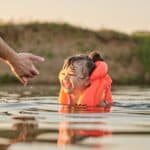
(74, 76)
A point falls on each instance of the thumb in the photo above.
(24, 80)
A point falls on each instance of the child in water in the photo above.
(85, 81)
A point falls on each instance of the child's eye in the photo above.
(81, 77)
(72, 74)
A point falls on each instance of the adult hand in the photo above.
(22, 65)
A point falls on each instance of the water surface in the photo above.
(30, 118)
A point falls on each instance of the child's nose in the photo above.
(66, 77)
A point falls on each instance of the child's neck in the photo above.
(75, 97)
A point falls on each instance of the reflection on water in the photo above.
(68, 135)
(32, 120)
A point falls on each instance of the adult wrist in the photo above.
(11, 57)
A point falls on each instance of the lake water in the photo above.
(30, 118)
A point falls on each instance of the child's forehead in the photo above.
(75, 64)
(79, 67)
(79, 64)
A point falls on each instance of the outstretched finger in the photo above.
(36, 58)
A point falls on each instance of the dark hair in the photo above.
(95, 56)
(89, 62)
(89, 59)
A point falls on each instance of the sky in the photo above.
(122, 15)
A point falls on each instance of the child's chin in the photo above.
(68, 91)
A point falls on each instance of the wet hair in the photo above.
(95, 56)
(89, 64)
(88, 59)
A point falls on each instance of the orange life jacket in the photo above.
(98, 91)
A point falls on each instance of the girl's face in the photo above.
(74, 78)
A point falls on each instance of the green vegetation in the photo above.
(131, 80)
(49, 54)
(6, 78)
(128, 56)
(113, 35)
(143, 49)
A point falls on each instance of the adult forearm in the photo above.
(6, 52)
